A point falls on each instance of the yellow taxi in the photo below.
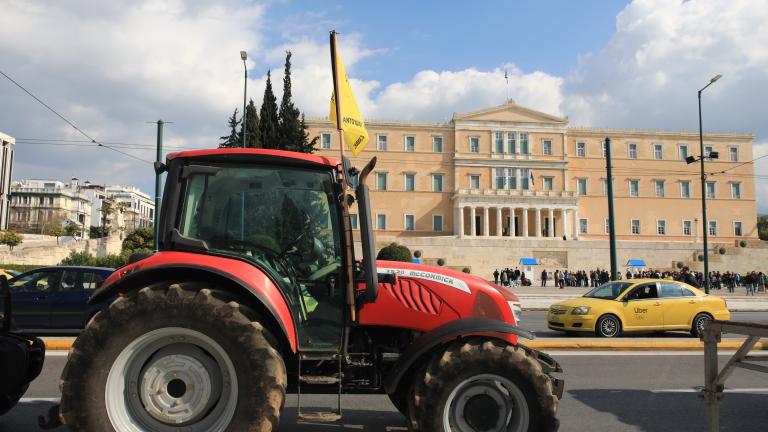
(637, 305)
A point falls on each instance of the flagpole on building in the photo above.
(344, 185)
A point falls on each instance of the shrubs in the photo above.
(11, 239)
(76, 258)
(395, 252)
(141, 239)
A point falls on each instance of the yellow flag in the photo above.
(352, 123)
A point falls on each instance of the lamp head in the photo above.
(243, 55)
(714, 155)
(690, 159)
(715, 78)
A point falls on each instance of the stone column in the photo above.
(551, 226)
(486, 212)
(576, 224)
(564, 215)
(498, 222)
(537, 225)
(512, 227)
(461, 221)
(525, 221)
(472, 227)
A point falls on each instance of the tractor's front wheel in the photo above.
(173, 358)
(484, 385)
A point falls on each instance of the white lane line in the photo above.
(56, 353)
(589, 353)
(698, 390)
(37, 399)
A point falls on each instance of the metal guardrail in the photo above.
(714, 379)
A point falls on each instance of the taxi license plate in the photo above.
(555, 318)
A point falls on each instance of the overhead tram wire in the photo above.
(84, 143)
(92, 140)
(741, 164)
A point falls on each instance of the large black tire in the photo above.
(8, 401)
(400, 402)
(235, 344)
(466, 360)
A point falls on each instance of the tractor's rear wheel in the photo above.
(173, 358)
(484, 385)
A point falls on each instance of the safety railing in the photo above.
(714, 377)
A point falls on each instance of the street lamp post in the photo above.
(702, 156)
(244, 57)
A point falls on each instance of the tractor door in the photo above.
(285, 221)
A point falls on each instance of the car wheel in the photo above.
(608, 326)
(699, 323)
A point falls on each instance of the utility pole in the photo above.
(611, 216)
(244, 57)
(158, 176)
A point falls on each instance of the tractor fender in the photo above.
(244, 278)
(427, 342)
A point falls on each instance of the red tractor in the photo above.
(255, 292)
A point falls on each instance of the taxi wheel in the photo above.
(608, 326)
(699, 323)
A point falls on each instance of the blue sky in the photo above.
(112, 66)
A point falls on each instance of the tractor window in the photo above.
(285, 221)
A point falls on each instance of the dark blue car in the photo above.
(54, 300)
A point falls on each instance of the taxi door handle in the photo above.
(692, 301)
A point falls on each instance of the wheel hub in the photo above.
(486, 403)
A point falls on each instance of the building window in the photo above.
(607, 226)
(381, 142)
(500, 178)
(737, 229)
(325, 140)
(581, 149)
(661, 227)
(712, 228)
(687, 228)
(410, 222)
(524, 144)
(546, 147)
(632, 151)
(634, 188)
(733, 154)
(736, 190)
(437, 183)
(581, 186)
(683, 151)
(603, 149)
(511, 143)
(547, 183)
(635, 226)
(474, 182)
(583, 225)
(381, 181)
(710, 190)
(525, 179)
(658, 151)
(685, 189)
(381, 221)
(353, 220)
(437, 144)
(410, 182)
(604, 184)
(498, 142)
(659, 188)
(410, 143)
(437, 223)
(474, 144)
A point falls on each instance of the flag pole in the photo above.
(344, 186)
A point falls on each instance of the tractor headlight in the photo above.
(517, 311)
(581, 310)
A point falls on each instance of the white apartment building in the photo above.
(140, 212)
(37, 204)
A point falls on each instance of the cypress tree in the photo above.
(290, 127)
(306, 145)
(252, 124)
(268, 124)
(233, 139)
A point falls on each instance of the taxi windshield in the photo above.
(608, 291)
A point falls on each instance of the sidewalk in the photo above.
(540, 298)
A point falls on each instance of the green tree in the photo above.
(307, 145)
(395, 252)
(268, 118)
(76, 258)
(233, 139)
(72, 230)
(139, 240)
(290, 125)
(56, 231)
(252, 124)
(11, 239)
(762, 227)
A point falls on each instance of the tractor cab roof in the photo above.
(256, 154)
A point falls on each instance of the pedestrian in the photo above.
(504, 279)
(688, 278)
(517, 276)
(496, 276)
(544, 277)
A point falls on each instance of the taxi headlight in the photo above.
(581, 310)
(517, 311)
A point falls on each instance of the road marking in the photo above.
(589, 353)
(37, 399)
(698, 390)
(56, 353)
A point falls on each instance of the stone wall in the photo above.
(49, 253)
(483, 255)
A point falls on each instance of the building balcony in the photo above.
(515, 193)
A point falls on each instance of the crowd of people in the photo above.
(751, 281)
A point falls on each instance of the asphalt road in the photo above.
(536, 321)
(608, 391)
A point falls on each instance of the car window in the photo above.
(643, 292)
(92, 280)
(608, 291)
(688, 293)
(34, 282)
(671, 289)
(71, 280)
